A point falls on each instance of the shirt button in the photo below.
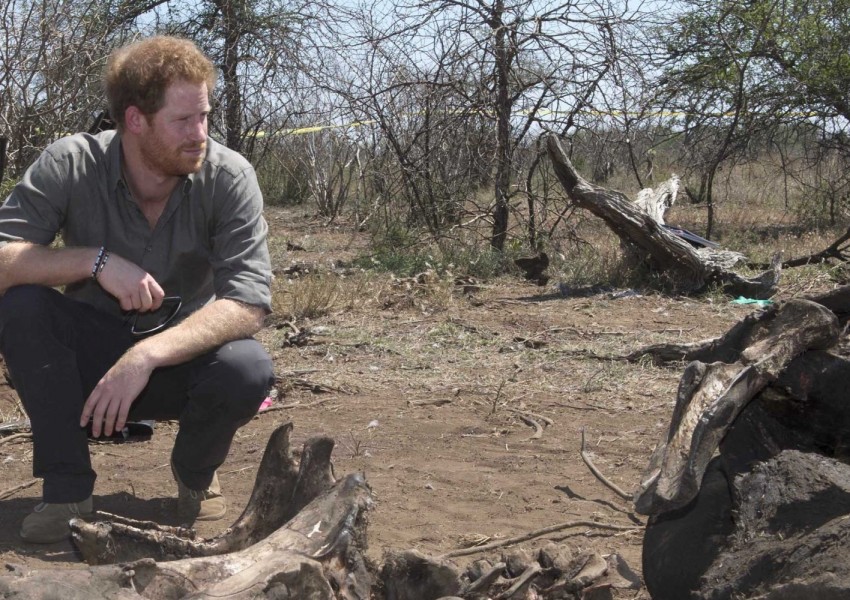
(148, 249)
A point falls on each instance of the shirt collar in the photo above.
(113, 157)
(188, 180)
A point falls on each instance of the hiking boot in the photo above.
(48, 523)
(199, 505)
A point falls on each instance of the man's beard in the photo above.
(169, 160)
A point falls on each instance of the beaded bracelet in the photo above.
(98, 263)
(103, 263)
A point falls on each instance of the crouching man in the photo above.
(165, 275)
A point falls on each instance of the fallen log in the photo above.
(726, 348)
(691, 270)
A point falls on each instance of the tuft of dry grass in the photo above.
(317, 295)
(425, 293)
(13, 413)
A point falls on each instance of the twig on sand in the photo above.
(15, 436)
(289, 405)
(435, 402)
(534, 416)
(22, 425)
(611, 485)
(534, 534)
(17, 488)
(496, 399)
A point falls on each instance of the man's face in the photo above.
(174, 139)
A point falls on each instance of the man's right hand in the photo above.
(135, 288)
(109, 403)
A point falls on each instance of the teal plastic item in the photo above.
(742, 300)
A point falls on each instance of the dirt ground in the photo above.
(432, 391)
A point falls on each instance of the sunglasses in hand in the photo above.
(144, 323)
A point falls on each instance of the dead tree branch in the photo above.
(12, 491)
(15, 436)
(836, 250)
(664, 250)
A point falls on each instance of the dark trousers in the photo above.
(57, 349)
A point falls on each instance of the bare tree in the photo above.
(255, 44)
(493, 72)
(51, 59)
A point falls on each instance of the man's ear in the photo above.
(134, 120)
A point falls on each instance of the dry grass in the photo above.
(11, 411)
(759, 212)
(756, 213)
(320, 294)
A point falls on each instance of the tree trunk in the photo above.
(503, 59)
(230, 12)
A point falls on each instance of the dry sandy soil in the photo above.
(425, 387)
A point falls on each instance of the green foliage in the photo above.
(740, 73)
(796, 50)
(399, 250)
(394, 249)
(806, 42)
(480, 261)
(821, 207)
(6, 188)
(399, 262)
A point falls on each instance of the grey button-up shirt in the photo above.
(210, 241)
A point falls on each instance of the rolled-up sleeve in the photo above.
(240, 256)
(36, 208)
